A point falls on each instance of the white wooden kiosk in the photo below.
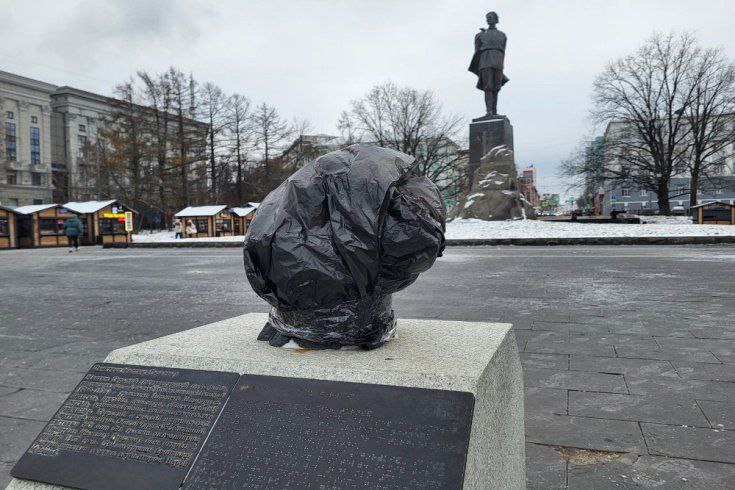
(210, 221)
(103, 221)
(242, 216)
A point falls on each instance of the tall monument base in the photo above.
(494, 194)
(473, 361)
(486, 133)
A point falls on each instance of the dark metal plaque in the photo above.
(126, 427)
(301, 433)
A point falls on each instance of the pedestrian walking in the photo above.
(190, 228)
(74, 229)
(177, 228)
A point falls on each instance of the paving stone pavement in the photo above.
(628, 352)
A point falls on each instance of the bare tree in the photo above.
(213, 106)
(410, 121)
(240, 138)
(157, 99)
(711, 115)
(270, 132)
(643, 99)
(124, 130)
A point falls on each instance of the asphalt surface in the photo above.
(628, 352)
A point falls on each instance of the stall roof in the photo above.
(6, 208)
(33, 208)
(87, 207)
(200, 211)
(721, 203)
(243, 211)
(253, 204)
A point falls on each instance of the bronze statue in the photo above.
(487, 62)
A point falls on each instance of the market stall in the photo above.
(104, 221)
(242, 216)
(713, 213)
(41, 225)
(8, 230)
(209, 221)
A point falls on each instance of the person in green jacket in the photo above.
(74, 230)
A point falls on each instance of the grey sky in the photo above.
(310, 58)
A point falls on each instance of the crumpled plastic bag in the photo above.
(329, 246)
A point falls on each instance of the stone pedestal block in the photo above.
(479, 358)
(486, 134)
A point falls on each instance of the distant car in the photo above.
(678, 211)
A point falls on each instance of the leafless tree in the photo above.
(270, 131)
(213, 108)
(240, 138)
(410, 121)
(643, 98)
(711, 115)
(157, 100)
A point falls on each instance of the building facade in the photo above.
(527, 185)
(25, 138)
(719, 186)
(52, 144)
(76, 119)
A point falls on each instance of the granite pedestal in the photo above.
(479, 358)
(487, 133)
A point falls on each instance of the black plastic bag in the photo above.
(329, 246)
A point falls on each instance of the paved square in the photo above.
(628, 352)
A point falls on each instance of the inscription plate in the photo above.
(128, 426)
(301, 433)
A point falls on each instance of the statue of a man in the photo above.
(487, 62)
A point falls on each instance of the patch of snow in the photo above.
(33, 208)
(478, 229)
(508, 193)
(291, 345)
(168, 236)
(243, 211)
(478, 194)
(87, 207)
(200, 211)
(468, 204)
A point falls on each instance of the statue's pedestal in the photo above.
(486, 133)
(477, 358)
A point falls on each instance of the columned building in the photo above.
(25, 141)
(76, 147)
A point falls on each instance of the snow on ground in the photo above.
(658, 226)
(474, 229)
(168, 236)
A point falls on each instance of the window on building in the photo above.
(34, 119)
(51, 226)
(10, 140)
(681, 190)
(718, 190)
(35, 145)
(10, 115)
(4, 228)
(202, 225)
(82, 128)
(644, 193)
(11, 178)
(36, 179)
(625, 192)
(82, 140)
(111, 226)
(38, 201)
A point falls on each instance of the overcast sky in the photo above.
(310, 58)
